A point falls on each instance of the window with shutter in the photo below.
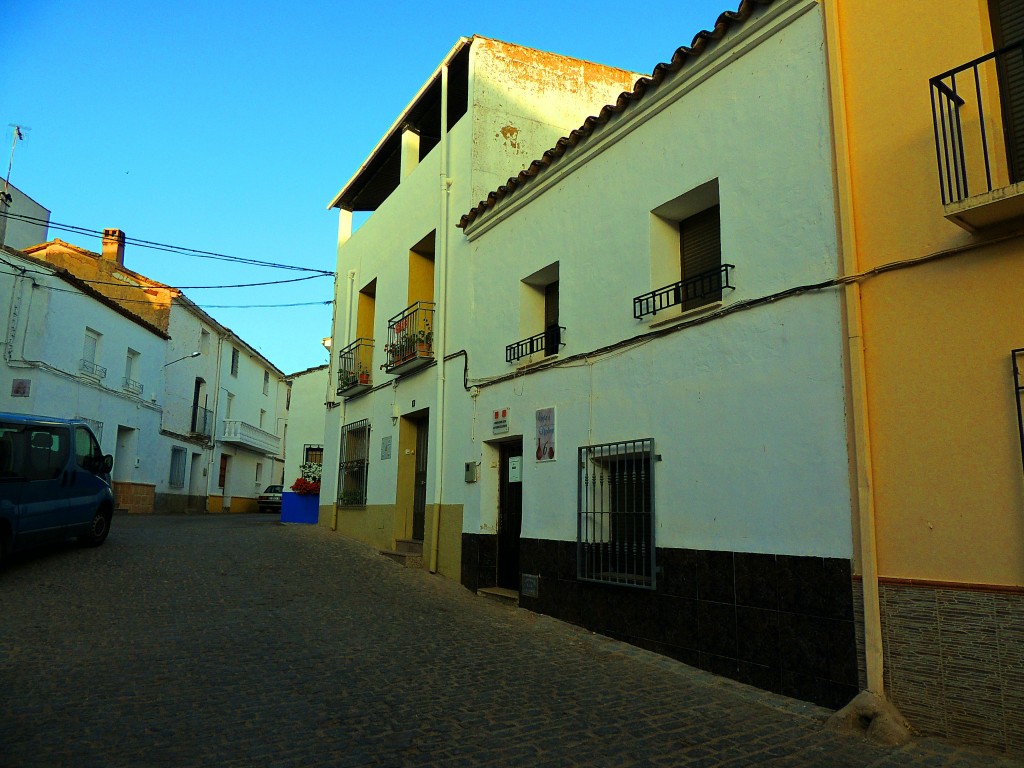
(1008, 28)
(700, 257)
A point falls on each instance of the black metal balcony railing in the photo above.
(131, 385)
(90, 368)
(548, 341)
(355, 366)
(410, 338)
(705, 286)
(978, 119)
(202, 421)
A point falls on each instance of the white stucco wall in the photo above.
(538, 97)
(45, 345)
(306, 418)
(18, 233)
(747, 411)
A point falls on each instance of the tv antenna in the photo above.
(18, 134)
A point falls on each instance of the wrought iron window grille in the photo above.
(353, 469)
(548, 341)
(615, 514)
(708, 284)
(1017, 360)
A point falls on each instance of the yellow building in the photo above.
(928, 110)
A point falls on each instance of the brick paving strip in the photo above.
(237, 641)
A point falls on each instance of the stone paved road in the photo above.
(237, 641)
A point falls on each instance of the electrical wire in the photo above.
(122, 284)
(163, 246)
(151, 302)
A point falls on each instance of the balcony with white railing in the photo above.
(250, 437)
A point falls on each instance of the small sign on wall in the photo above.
(385, 448)
(500, 424)
(21, 387)
(546, 434)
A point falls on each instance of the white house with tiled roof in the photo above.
(70, 352)
(655, 345)
(216, 439)
(483, 114)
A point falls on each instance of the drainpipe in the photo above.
(349, 334)
(858, 396)
(213, 420)
(440, 326)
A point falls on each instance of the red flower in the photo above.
(305, 487)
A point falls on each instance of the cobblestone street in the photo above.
(237, 641)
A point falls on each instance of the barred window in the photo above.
(313, 454)
(615, 513)
(177, 478)
(355, 451)
(234, 361)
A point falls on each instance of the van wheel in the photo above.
(98, 530)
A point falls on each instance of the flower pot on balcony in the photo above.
(364, 378)
(300, 508)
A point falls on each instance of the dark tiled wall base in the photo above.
(479, 560)
(781, 623)
(954, 662)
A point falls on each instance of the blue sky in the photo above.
(228, 127)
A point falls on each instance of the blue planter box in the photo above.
(300, 508)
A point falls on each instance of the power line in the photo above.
(121, 284)
(21, 273)
(182, 250)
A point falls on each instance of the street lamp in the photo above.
(186, 357)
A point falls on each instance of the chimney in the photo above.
(113, 246)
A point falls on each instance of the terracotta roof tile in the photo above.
(680, 58)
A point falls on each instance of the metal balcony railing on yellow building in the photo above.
(410, 338)
(355, 368)
(978, 121)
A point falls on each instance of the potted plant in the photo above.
(364, 375)
(303, 504)
(308, 483)
(350, 498)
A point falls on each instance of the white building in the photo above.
(307, 412)
(70, 352)
(219, 406)
(223, 420)
(23, 221)
(485, 113)
(634, 414)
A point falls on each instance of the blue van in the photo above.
(54, 483)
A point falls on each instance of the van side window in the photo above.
(48, 452)
(87, 452)
(11, 466)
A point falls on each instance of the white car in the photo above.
(270, 499)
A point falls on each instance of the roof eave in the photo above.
(396, 126)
